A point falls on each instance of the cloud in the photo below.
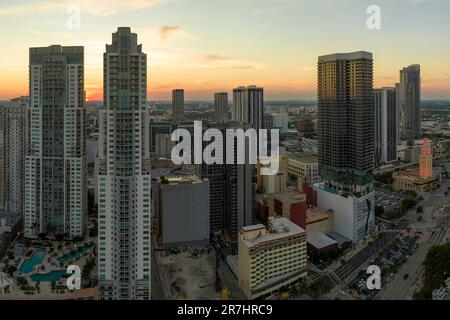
(94, 8)
(219, 61)
(173, 32)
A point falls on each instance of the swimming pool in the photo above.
(75, 254)
(36, 259)
(51, 276)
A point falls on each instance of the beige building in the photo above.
(262, 181)
(421, 180)
(269, 259)
(303, 166)
(410, 180)
(275, 183)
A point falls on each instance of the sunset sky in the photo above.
(205, 46)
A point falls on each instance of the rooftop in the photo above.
(279, 228)
(346, 56)
(289, 197)
(318, 240)
(315, 214)
(304, 157)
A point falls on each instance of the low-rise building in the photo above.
(410, 180)
(269, 259)
(304, 167)
(289, 204)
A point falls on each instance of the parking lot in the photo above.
(389, 262)
(388, 199)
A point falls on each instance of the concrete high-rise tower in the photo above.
(14, 126)
(248, 106)
(55, 165)
(408, 102)
(232, 187)
(385, 126)
(124, 245)
(346, 120)
(220, 106)
(346, 141)
(178, 105)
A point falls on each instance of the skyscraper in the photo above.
(14, 125)
(385, 126)
(55, 165)
(178, 105)
(2, 155)
(232, 188)
(408, 102)
(346, 120)
(124, 173)
(248, 106)
(240, 190)
(220, 106)
(346, 141)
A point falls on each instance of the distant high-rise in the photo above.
(14, 126)
(220, 106)
(346, 120)
(248, 106)
(385, 126)
(178, 105)
(55, 165)
(408, 102)
(124, 182)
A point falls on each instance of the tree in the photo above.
(11, 269)
(419, 209)
(436, 270)
(379, 210)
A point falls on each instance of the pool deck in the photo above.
(50, 264)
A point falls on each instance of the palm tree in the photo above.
(51, 229)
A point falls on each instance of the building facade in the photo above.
(15, 130)
(346, 134)
(124, 182)
(178, 105)
(281, 122)
(346, 120)
(55, 164)
(408, 102)
(183, 203)
(232, 187)
(303, 167)
(385, 126)
(248, 106)
(270, 259)
(164, 145)
(221, 106)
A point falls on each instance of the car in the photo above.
(405, 276)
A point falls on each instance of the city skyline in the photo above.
(234, 51)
